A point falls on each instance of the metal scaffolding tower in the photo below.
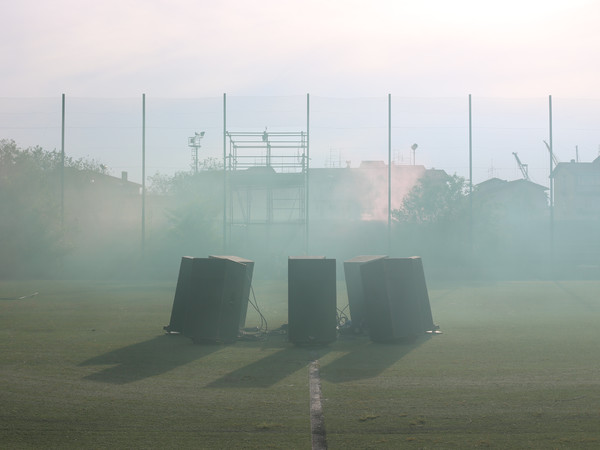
(266, 173)
(283, 151)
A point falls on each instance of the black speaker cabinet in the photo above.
(247, 284)
(208, 299)
(183, 293)
(355, 288)
(420, 291)
(394, 307)
(311, 300)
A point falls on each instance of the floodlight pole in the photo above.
(306, 177)
(224, 172)
(143, 175)
(551, 148)
(62, 168)
(470, 176)
(194, 142)
(389, 243)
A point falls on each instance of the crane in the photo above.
(554, 158)
(524, 167)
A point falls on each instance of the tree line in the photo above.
(437, 220)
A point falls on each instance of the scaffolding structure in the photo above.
(266, 175)
(283, 151)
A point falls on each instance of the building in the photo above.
(577, 190)
(361, 193)
(518, 198)
(577, 215)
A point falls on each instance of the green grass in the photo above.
(86, 365)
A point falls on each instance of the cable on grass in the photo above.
(255, 332)
(341, 317)
(347, 326)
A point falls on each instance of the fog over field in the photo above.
(411, 88)
(136, 133)
(83, 223)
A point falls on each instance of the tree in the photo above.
(166, 184)
(433, 221)
(193, 216)
(434, 200)
(32, 241)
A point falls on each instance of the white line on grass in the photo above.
(317, 421)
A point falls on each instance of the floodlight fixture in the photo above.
(194, 142)
(414, 147)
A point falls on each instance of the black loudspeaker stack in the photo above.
(420, 291)
(208, 299)
(311, 300)
(356, 291)
(395, 302)
(247, 284)
(183, 293)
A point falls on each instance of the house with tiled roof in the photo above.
(577, 190)
(521, 197)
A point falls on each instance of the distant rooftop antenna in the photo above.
(492, 171)
(399, 157)
(334, 154)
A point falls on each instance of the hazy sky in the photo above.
(174, 48)
(509, 54)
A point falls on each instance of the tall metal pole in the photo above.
(143, 175)
(551, 148)
(307, 178)
(224, 173)
(470, 176)
(389, 231)
(62, 168)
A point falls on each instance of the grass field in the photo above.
(87, 365)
